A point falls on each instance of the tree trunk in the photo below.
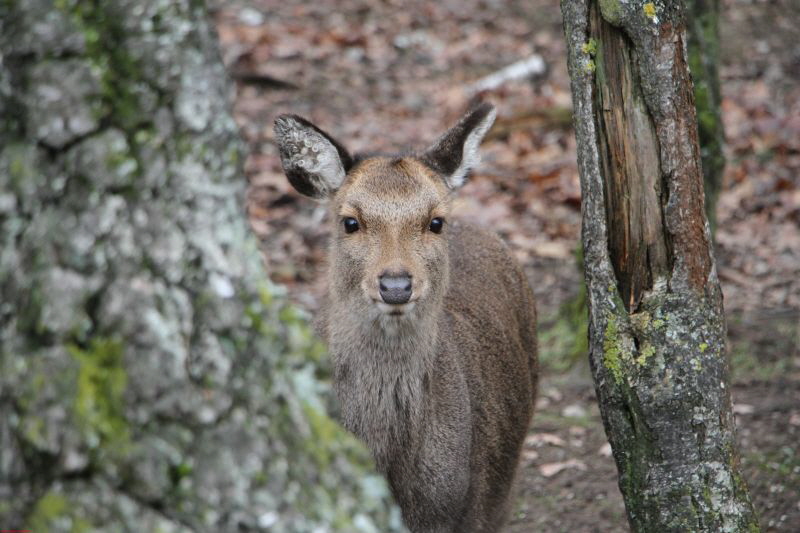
(657, 330)
(703, 47)
(150, 376)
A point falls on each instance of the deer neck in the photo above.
(382, 368)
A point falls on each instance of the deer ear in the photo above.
(455, 153)
(312, 160)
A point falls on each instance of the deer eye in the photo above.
(437, 224)
(350, 224)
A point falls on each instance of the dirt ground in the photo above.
(393, 74)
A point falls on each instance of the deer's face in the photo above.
(389, 214)
(389, 245)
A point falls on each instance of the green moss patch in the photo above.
(99, 399)
(53, 512)
(612, 351)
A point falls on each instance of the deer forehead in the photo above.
(393, 190)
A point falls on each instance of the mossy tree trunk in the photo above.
(656, 326)
(151, 379)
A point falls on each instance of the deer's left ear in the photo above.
(455, 153)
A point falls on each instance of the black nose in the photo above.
(395, 288)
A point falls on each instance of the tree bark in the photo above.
(151, 378)
(656, 326)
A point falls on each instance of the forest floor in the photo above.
(392, 74)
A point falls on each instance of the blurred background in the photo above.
(383, 76)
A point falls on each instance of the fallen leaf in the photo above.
(530, 456)
(542, 402)
(743, 409)
(605, 450)
(577, 431)
(554, 394)
(551, 469)
(540, 439)
(574, 411)
(552, 250)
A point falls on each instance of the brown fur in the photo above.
(443, 394)
(440, 388)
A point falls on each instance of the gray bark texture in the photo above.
(151, 378)
(656, 325)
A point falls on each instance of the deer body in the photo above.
(430, 323)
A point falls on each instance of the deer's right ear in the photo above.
(312, 160)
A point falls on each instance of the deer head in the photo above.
(388, 215)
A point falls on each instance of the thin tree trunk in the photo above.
(151, 379)
(657, 330)
(703, 46)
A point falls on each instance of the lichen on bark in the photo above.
(151, 377)
(657, 331)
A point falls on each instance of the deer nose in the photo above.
(395, 288)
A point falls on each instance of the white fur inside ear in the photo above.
(471, 156)
(306, 150)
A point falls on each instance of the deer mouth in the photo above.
(396, 310)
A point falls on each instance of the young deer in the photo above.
(430, 323)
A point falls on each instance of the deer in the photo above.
(429, 321)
